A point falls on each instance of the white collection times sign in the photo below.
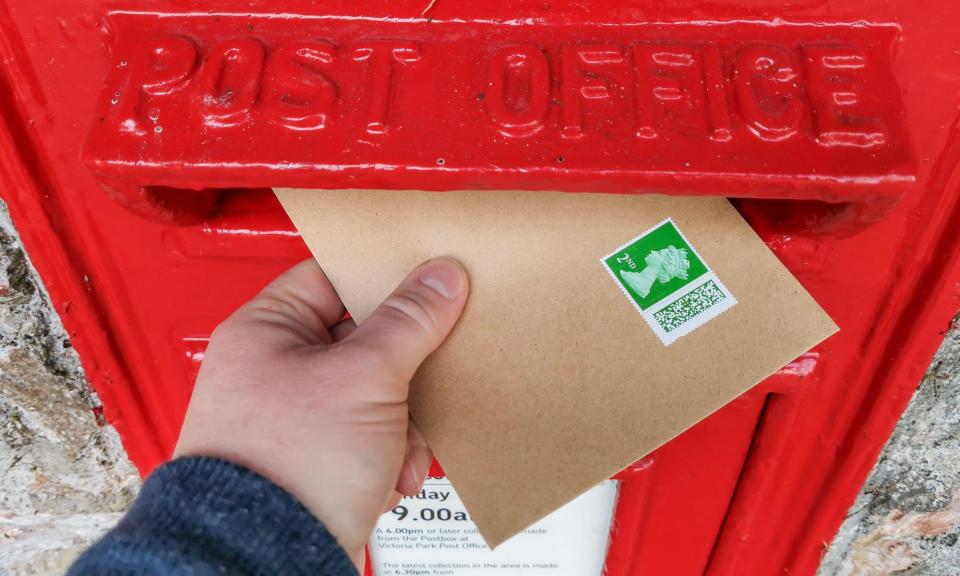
(431, 535)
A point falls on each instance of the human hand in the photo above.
(319, 406)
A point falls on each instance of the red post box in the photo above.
(138, 142)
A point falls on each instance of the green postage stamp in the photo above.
(668, 282)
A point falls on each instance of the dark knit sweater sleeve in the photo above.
(208, 516)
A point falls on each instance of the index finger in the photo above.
(307, 287)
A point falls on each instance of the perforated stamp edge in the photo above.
(695, 321)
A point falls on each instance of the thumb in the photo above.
(414, 320)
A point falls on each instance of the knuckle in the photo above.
(269, 304)
(404, 308)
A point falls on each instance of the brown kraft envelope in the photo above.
(555, 379)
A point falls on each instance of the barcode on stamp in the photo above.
(668, 282)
